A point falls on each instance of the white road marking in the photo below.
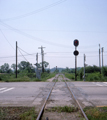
(98, 84)
(7, 90)
(2, 88)
(105, 82)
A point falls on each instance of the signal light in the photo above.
(76, 42)
(76, 52)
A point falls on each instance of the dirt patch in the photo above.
(51, 79)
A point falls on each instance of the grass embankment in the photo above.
(26, 77)
(92, 77)
(97, 113)
(18, 113)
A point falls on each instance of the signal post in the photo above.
(76, 43)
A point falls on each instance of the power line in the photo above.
(6, 39)
(35, 11)
(27, 54)
(34, 38)
(24, 51)
(23, 55)
(40, 40)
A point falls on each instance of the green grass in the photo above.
(17, 113)
(67, 109)
(45, 76)
(29, 115)
(96, 113)
(92, 77)
(25, 77)
(70, 75)
(95, 77)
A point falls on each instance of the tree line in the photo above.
(23, 66)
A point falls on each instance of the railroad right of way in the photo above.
(61, 103)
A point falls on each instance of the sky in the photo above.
(53, 25)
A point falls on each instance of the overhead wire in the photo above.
(32, 37)
(35, 11)
(6, 39)
(23, 55)
(24, 51)
(27, 54)
(39, 39)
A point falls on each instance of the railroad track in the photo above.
(77, 104)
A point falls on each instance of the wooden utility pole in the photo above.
(99, 59)
(84, 66)
(37, 60)
(102, 56)
(42, 54)
(16, 59)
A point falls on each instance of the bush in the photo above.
(69, 75)
(104, 71)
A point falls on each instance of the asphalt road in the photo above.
(32, 93)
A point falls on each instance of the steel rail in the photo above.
(42, 109)
(83, 113)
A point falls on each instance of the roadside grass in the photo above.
(70, 75)
(18, 113)
(95, 77)
(59, 109)
(91, 77)
(55, 80)
(25, 77)
(45, 76)
(96, 113)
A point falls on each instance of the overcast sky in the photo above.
(53, 24)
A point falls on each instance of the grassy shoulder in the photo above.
(96, 113)
(18, 113)
(70, 75)
(91, 77)
(25, 77)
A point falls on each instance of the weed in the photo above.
(94, 113)
(64, 109)
(17, 113)
(28, 77)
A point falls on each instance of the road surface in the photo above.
(33, 93)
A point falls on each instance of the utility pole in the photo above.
(16, 59)
(37, 60)
(84, 66)
(99, 59)
(102, 56)
(42, 54)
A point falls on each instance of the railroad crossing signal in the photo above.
(76, 42)
(76, 52)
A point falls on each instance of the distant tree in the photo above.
(66, 70)
(5, 68)
(56, 71)
(91, 69)
(48, 70)
(104, 71)
(45, 65)
(13, 66)
(26, 66)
